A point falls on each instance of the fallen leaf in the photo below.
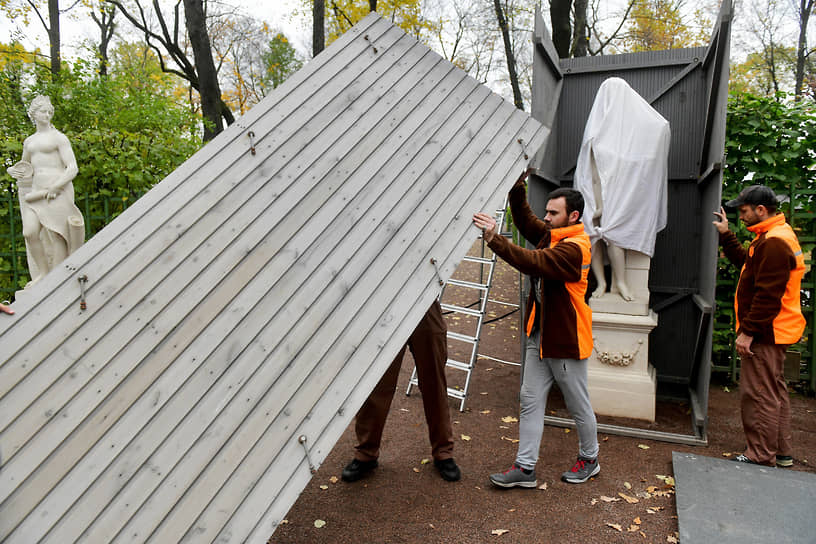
(566, 430)
(636, 521)
(284, 521)
(499, 532)
(485, 412)
(615, 526)
(319, 523)
(513, 440)
(510, 419)
(642, 534)
(431, 525)
(651, 489)
(404, 410)
(606, 439)
(633, 528)
(627, 485)
(324, 487)
(512, 510)
(609, 499)
(503, 427)
(643, 446)
(593, 502)
(672, 539)
(488, 369)
(416, 469)
(543, 486)
(552, 412)
(466, 438)
(483, 393)
(727, 454)
(725, 388)
(668, 480)
(424, 461)
(627, 498)
(334, 479)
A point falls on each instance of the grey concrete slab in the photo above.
(719, 500)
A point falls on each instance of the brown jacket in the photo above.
(561, 264)
(767, 300)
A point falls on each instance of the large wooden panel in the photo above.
(239, 314)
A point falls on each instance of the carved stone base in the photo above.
(622, 383)
(637, 279)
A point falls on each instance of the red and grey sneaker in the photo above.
(515, 476)
(581, 471)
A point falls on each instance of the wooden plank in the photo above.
(245, 298)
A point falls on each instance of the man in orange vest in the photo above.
(559, 326)
(769, 319)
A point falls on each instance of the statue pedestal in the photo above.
(621, 381)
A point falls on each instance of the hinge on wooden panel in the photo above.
(83, 279)
(369, 41)
(524, 147)
(438, 274)
(302, 442)
(251, 142)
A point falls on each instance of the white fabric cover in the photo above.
(629, 141)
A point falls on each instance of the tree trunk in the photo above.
(561, 29)
(106, 25)
(318, 27)
(208, 89)
(580, 31)
(805, 9)
(54, 35)
(511, 59)
(372, 5)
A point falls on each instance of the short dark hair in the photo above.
(573, 198)
(756, 195)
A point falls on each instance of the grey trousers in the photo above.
(539, 374)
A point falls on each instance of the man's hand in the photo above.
(5, 309)
(523, 177)
(488, 225)
(721, 222)
(743, 344)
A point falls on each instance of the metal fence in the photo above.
(99, 210)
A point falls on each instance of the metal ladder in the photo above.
(486, 267)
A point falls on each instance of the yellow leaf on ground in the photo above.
(510, 419)
(431, 525)
(593, 502)
(651, 489)
(416, 469)
(636, 521)
(627, 498)
(466, 438)
(499, 532)
(642, 534)
(424, 461)
(483, 392)
(672, 539)
(727, 454)
(614, 526)
(284, 521)
(334, 479)
(633, 528)
(543, 486)
(609, 499)
(485, 412)
(324, 487)
(643, 446)
(627, 485)
(606, 439)
(566, 430)
(513, 440)
(319, 523)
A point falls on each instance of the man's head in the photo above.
(564, 207)
(41, 103)
(756, 204)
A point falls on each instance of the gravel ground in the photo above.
(405, 501)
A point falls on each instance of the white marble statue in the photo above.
(53, 226)
(622, 171)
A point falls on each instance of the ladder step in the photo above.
(462, 337)
(455, 393)
(458, 365)
(460, 310)
(483, 260)
(470, 284)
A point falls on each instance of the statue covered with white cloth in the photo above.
(622, 171)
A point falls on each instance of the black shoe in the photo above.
(448, 470)
(784, 461)
(742, 459)
(357, 469)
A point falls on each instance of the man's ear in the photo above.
(574, 217)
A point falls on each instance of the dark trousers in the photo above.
(429, 346)
(765, 404)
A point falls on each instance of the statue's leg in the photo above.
(597, 267)
(31, 233)
(58, 248)
(617, 258)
